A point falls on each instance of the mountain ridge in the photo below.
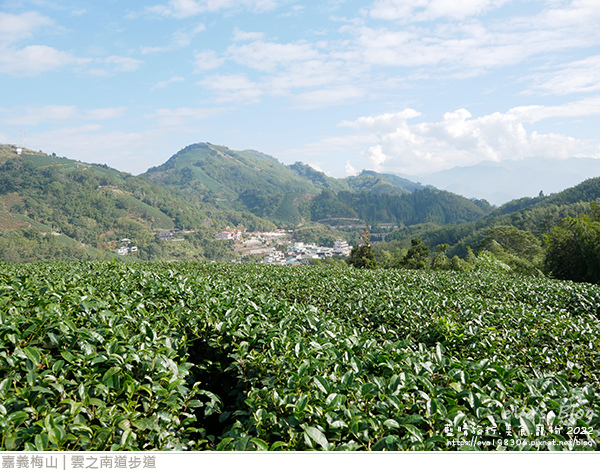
(250, 180)
(207, 188)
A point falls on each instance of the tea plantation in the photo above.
(107, 356)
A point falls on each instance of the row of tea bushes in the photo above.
(107, 356)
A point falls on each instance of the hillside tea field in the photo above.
(107, 356)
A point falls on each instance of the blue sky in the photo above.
(407, 86)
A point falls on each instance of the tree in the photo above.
(574, 248)
(512, 240)
(440, 260)
(362, 255)
(416, 257)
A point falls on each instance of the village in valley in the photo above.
(279, 249)
(275, 247)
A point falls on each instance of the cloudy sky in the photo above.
(407, 86)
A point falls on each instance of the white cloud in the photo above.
(207, 60)
(382, 123)
(427, 10)
(324, 79)
(465, 46)
(377, 157)
(564, 15)
(350, 170)
(187, 8)
(327, 73)
(59, 113)
(122, 64)
(322, 83)
(316, 74)
(584, 107)
(239, 35)
(581, 76)
(179, 40)
(470, 46)
(179, 8)
(327, 97)
(459, 139)
(181, 116)
(33, 60)
(233, 88)
(268, 56)
(165, 83)
(112, 65)
(17, 27)
(154, 49)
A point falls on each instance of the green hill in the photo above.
(93, 207)
(521, 219)
(218, 172)
(381, 183)
(255, 182)
(236, 180)
(319, 179)
(208, 187)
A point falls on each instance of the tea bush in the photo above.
(107, 356)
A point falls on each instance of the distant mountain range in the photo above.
(208, 187)
(500, 182)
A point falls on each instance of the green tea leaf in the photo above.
(33, 354)
(322, 384)
(317, 436)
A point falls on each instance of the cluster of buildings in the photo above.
(255, 243)
(302, 253)
(126, 249)
(236, 234)
(171, 235)
(229, 235)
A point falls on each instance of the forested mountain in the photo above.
(53, 207)
(252, 181)
(319, 179)
(537, 216)
(56, 208)
(381, 183)
(217, 172)
(426, 205)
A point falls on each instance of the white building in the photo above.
(229, 235)
(275, 257)
(341, 247)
